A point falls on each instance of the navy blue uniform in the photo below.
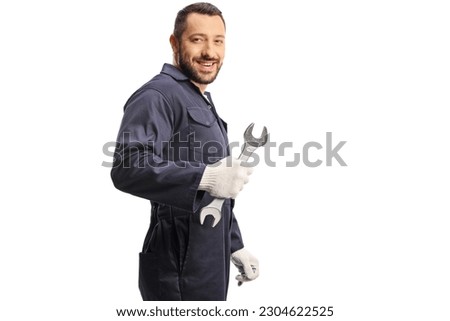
(169, 133)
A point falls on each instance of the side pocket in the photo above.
(149, 284)
(150, 239)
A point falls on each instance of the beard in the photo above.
(189, 70)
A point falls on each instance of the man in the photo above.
(169, 139)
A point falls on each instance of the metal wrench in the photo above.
(251, 143)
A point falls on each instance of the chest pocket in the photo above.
(207, 143)
(202, 116)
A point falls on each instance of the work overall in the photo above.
(169, 133)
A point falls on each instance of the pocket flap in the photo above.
(201, 115)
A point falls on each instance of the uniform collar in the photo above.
(174, 72)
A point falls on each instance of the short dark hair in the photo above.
(199, 7)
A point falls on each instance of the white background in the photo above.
(371, 239)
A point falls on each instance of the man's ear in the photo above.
(174, 44)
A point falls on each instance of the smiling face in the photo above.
(200, 52)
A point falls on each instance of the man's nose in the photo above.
(208, 49)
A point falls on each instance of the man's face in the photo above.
(202, 48)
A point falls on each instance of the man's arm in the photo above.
(236, 237)
(139, 166)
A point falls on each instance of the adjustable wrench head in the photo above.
(255, 141)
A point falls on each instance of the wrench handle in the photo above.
(247, 151)
(217, 203)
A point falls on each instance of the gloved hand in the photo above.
(226, 178)
(247, 265)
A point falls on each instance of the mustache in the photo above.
(207, 58)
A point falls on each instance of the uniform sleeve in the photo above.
(141, 166)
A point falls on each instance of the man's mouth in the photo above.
(207, 66)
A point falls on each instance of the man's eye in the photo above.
(219, 41)
(197, 39)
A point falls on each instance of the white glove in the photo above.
(247, 265)
(226, 178)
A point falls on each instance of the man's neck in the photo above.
(200, 86)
